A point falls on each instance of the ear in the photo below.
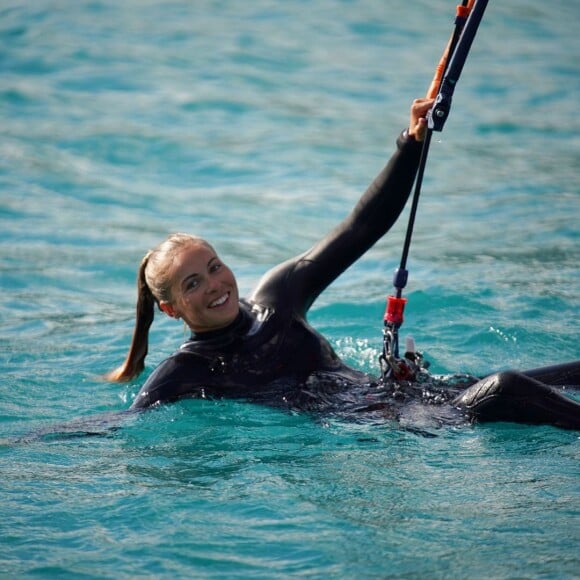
(167, 307)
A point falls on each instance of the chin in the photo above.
(230, 314)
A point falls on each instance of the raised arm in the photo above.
(298, 282)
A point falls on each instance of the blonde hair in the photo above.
(153, 286)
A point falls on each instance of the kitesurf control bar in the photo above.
(468, 18)
(440, 111)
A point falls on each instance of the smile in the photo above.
(221, 300)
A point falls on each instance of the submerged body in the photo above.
(270, 354)
(264, 357)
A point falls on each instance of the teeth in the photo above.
(219, 301)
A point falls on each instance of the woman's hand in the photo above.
(418, 122)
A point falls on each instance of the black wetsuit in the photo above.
(270, 354)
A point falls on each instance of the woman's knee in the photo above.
(490, 388)
(512, 382)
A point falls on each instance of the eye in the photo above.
(215, 267)
(191, 284)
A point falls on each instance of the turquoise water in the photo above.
(257, 125)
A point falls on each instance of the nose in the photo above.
(212, 285)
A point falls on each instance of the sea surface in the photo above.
(257, 125)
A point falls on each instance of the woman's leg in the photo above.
(517, 397)
(562, 374)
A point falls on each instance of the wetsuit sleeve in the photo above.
(299, 281)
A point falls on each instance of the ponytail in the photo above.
(135, 361)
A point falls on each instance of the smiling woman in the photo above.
(263, 349)
(185, 279)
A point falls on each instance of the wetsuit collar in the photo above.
(240, 325)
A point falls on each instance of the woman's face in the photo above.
(204, 290)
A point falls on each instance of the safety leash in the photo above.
(467, 19)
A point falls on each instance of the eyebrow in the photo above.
(196, 274)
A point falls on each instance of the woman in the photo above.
(263, 349)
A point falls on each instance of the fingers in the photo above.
(422, 103)
(417, 122)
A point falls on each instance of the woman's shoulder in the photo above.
(180, 374)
